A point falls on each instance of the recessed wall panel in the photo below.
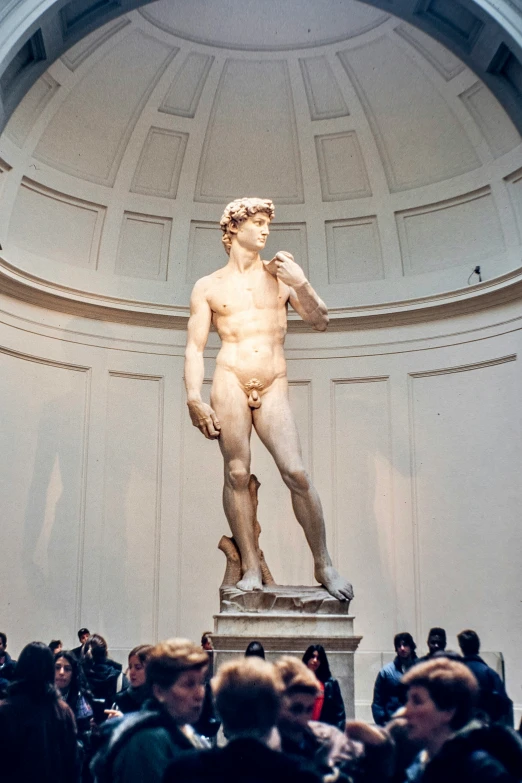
(514, 182)
(184, 94)
(325, 99)
(62, 228)
(459, 231)
(88, 134)
(440, 58)
(45, 410)
(30, 108)
(290, 237)
(159, 166)
(76, 55)
(341, 167)
(354, 250)
(253, 154)
(144, 246)
(466, 447)
(132, 496)
(200, 522)
(364, 511)
(206, 251)
(495, 125)
(420, 139)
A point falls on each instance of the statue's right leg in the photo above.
(230, 403)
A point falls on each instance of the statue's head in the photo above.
(239, 210)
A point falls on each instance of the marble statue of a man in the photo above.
(247, 301)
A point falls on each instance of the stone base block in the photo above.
(286, 620)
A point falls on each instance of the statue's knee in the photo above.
(297, 480)
(237, 477)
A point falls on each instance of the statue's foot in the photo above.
(336, 585)
(251, 580)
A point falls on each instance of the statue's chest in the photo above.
(252, 294)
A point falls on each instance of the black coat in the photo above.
(478, 754)
(241, 761)
(333, 707)
(493, 699)
(37, 740)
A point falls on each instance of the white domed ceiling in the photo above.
(394, 171)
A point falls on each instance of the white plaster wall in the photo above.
(111, 500)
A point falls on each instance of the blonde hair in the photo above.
(296, 676)
(239, 210)
(247, 693)
(167, 660)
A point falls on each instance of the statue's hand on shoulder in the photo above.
(204, 418)
(285, 269)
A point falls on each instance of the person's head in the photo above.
(255, 649)
(436, 640)
(3, 642)
(34, 671)
(298, 699)
(469, 642)
(176, 671)
(95, 649)
(65, 671)
(55, 645)
(441, 699)
(83, 635)
(239, 211)
(316, 660)
(138, 658)
(247, 693)
(206, 641)
(404, 645)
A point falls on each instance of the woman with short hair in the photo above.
(144, 743)
(439, 712)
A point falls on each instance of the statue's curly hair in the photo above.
(240, 209)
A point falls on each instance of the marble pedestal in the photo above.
(286, 620)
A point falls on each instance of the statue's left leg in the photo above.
(275, 425)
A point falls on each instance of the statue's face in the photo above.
(253, 232)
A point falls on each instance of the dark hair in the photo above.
(141, 652)
(95, 649)
(78, 684)
(450, 684)
(469, 642)
(81, 632)
(437, 632)
(323, 673)
(255, 649)
(404, 638)
(34, 672)
(3, 637)
(54, 643)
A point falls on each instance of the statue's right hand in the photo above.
(204, 418)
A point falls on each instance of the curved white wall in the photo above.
(111, 507)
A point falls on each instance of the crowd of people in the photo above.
(74, 716)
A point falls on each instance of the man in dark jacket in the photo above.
(493, 700)
(83, 635)
(388, 693)
(436, 642)
(7, 665)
